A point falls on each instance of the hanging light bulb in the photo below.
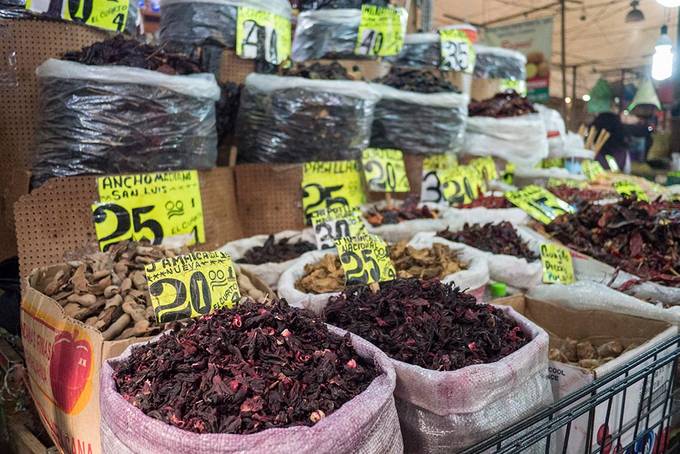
(669, 3)
(635, 15)
(662, 61)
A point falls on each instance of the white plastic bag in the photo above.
(521, 140)
(405, 230)
(268, 272)
(499, 63)
(554, 127)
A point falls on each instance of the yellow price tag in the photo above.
(509, 173)
(335, 223)
(611, 162)
(365, 260)
(539, 203)
(192, 285)
(331, 184)
(566, 182)
(434, 167)
(107, 14)
(149, 206)
(381, 31)
(461, 185)
(486, 167)
(558, 267)
(591, 169)
(519, 86)
(384, 170)
(276, 31)
(627, 188)
(457, 52)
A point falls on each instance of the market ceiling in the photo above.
(598, 38)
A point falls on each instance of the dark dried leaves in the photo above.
(501, 238)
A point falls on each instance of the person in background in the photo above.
(616, 146)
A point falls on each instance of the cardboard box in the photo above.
(63, 359)
(599, 327)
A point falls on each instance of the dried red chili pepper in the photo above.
(501, 238)
(408, 210)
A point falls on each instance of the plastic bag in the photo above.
(443, 412)
(292, 119)
(326, 33)
(419, 123)
(268, 272)
(406, 230)
(421, 50)
(367, 424)
(554, 127)
(499, 63)
(520, 140)
(113, 119)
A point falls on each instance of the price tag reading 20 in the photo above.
(539, 203)
(381, 31)
(192, 285)
(365, 259)
(331, 184)
(151, 206)
(384, 170)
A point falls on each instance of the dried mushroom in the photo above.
(435, 262)
(585, 354)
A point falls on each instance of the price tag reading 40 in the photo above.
(334, 223)
(434, 167)
(539, 203)
(384, 170)
(106, 14)
(627, 188)
(558, 267)
(365, 259)
(381, 31)
(192, 285)
(150, 206)
(457, 53)
(331, 184)
(255, 27)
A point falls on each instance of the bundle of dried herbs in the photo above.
(638, 237)
(273, 251)
(502, 105)
(501, 238)
(585, 354)
(417, 80)
(324, 276)
(435, 262)
(426, 323)
(319, 71)
(243, 371)
(122, 51)
(488, 201)
(406, 211)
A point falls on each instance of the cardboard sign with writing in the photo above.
(157, 207)
(277, 35)
(384, 170)
(331, 184)
(365, 259)
(558, 267)
(434, 167)
(539, 203)
(106, 14)
(457, 52)
(332, 224)
(628, 188)
(192, 285)
(381, 31)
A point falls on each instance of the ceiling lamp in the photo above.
(669, 3)
(662, 61)
(635, 15)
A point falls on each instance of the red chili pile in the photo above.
(501, 238)
(502, 105)
(576, 196)
(244, 370)
(395, 214)
(488, 201)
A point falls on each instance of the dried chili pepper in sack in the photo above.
(402, 220)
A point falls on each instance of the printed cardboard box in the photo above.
(63, 359)
(598, 327)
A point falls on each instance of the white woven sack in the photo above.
(405, 230)
(520, 140)
(443, 412)
(268, 272)
(456, 218)
(366, 424)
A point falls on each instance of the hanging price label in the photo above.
(257, 28)
(384, 170)
(381, 31)
(106, 14)
(332, 224)
(192, 285)
(486, 167)
(558, 267)
(462, 184)
(433, 169)
(365, 260)
(611, 162)
(331, 184)
(149, 206)
(539, 203)
(457, 52)
(628, 188)
(591, 169)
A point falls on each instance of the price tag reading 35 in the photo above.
(150, 206)
(253, 26)
(384, 170)
(381, 31)
(365, 260)
(539, 203)
(192, 285)
(457, 53)
(330, 184)
(558, 267)
(335, 223)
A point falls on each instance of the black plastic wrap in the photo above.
(291, 119)
(422, 52)
(308, 5)
(102, 126)
(499, 63)
(419, 123)
(326, 33)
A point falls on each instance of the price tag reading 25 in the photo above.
(153, 206)
(192, 285)
(384, 170)
(331, 184)
(365, 259)
(539, 203)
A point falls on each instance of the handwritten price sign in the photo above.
(384, 170)
(331, 184)
(365, 260)
(539, 203)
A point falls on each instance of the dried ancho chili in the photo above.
(244, 370)
(426, 323)
(273, 251)
(122, 51)
(506, 104)
(638, 237)
(501, 238)
(488, 201)
(417, 80)
(435, 262)
(407, 211)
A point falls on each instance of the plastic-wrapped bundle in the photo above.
(307, 5)
(115, 119)
(419, 123)
(499, 63)
(292, 119)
